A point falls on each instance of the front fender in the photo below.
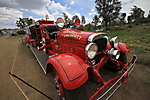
(122, 47)
(71, 70)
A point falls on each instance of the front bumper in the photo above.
(116, 81)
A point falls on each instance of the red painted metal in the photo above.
(28, 38)
(73, 73)
(69, 58)
(121, 47)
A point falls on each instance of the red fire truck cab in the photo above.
(74, 55)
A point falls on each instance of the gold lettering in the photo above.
(73, 36)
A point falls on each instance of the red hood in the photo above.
(73, 35)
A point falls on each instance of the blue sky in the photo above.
(11, 10)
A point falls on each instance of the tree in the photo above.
(66, 18)
(129, 19)
(148, 17)
(81, 27)
(137, 14)
(89, 26)
(95, 21)
(75, 17)
(24, 22)
(122, 18)
(83, 20)
(108, 10)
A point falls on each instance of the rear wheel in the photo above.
(111, 66)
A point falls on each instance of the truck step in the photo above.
(40, 56)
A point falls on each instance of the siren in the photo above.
(77, 22)
(60, 22)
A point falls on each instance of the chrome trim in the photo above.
(113, 41)
(87, 49)
(129, 70)
(96, 36)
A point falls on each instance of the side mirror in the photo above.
(60, 22)
(77, 22)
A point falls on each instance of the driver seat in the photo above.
(52, 30)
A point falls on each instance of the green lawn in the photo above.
(137, 38)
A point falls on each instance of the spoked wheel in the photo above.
(76, 94)
(111, 66)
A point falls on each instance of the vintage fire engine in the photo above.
(75, 56)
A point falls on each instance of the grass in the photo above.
(137, 38)
(22, 47)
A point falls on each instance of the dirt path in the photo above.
(26, 67)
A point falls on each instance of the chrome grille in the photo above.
(102, 43)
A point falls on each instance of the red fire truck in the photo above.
(75, 57)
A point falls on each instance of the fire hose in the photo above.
(29, 85)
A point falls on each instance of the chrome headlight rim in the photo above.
(115, 41)
(114, 53)
(91, 53)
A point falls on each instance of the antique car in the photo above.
(75, 57)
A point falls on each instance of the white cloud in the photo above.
(42, 12)
(35, 19)
(69, 15)
(92, 10)
(8, 17)
(128, 4)
(35, 6)
(72, 2)
(88, 20)
(38, 8)
(92, 13)
(56, 6)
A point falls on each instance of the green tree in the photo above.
(95, 21)
(81, 27)
(75, 17)
(137, 14)
(83, 21)
(24, 22)
(122, 18)
(148, 17)
(108, 10)
(89, 26)
(129, 19)
(66, 18)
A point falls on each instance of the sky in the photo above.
(12, 10)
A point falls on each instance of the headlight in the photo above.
(115, 41)
(115, 53)
(91, 50)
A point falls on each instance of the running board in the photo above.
(40, 56)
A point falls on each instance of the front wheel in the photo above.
(76, 94)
